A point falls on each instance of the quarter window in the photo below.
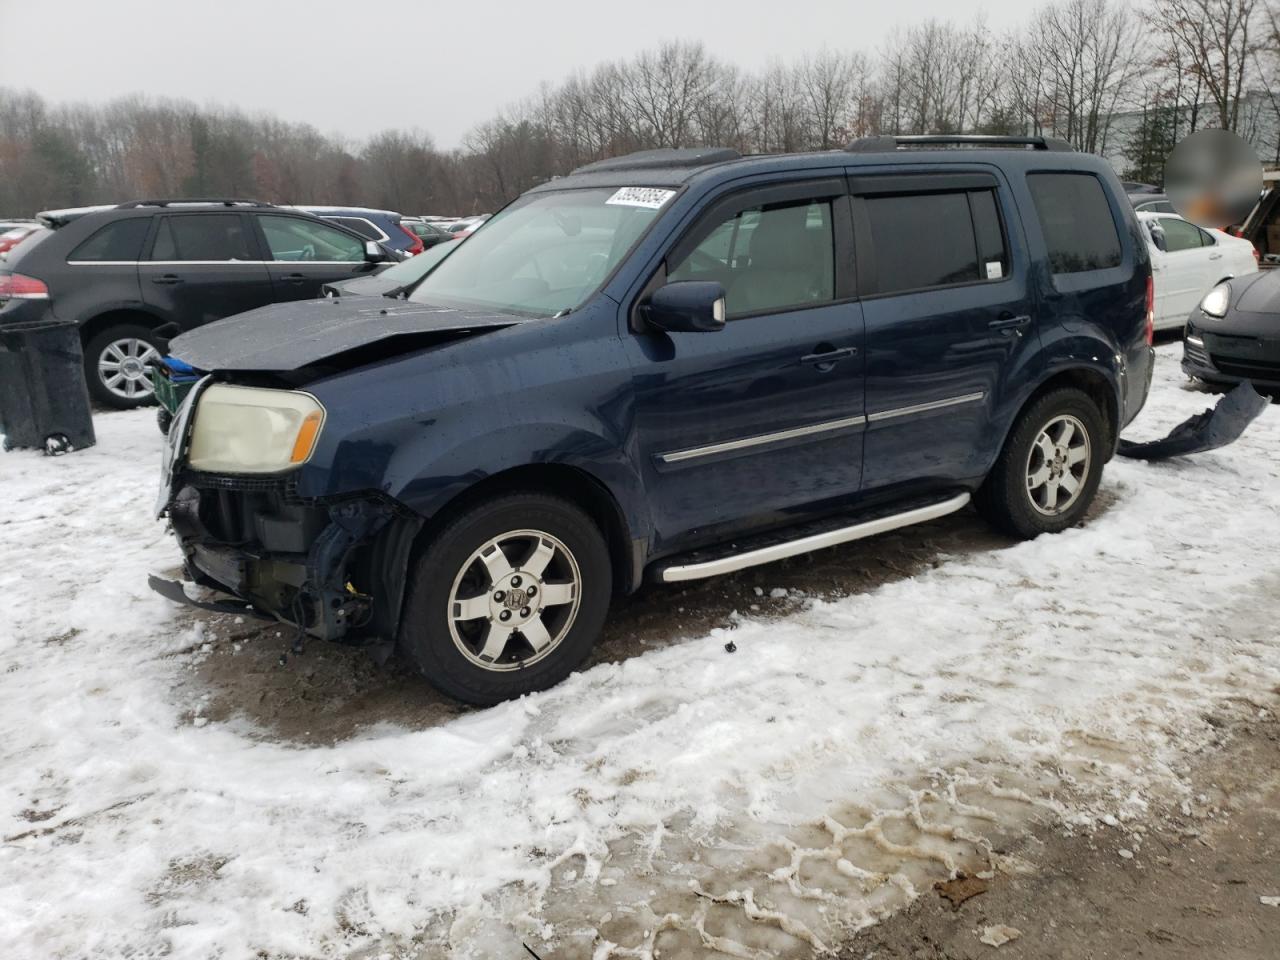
(121, 240)
(768, 258)
(936, 240)
(1076, 220)
(294, 239)
(209, 237)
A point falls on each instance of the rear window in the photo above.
(121, 240)
(1076, 220)
(965, 240)
(361, 226)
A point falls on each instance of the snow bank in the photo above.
(130, 831)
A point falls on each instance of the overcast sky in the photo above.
(356, 67)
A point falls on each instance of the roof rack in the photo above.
(655, 159)
(192, 201)
(883, 144)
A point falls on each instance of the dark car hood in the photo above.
(289, 336)
(1262, 295)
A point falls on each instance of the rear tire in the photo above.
(116, 365)
(507, 598)
(1049, 470)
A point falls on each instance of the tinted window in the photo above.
(1181, 235)
(767, 258)
(936, 239)
(294, 239)
(360, 226)
(1075, 217)
(121, 240)
(213, 236)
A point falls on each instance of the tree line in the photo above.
(1097, 73)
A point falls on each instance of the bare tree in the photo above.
(1216, 41)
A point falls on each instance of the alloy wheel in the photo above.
(1058, 465)
(124, 366)
(514, 600)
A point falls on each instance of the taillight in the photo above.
(1151, 311)
(1257, 257)
(417, 246)
(14, 286)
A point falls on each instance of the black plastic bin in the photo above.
(44, 400)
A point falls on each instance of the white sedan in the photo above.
(1188, 261)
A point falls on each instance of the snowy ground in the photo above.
(686, 801)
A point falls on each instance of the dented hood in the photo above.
(289, 336)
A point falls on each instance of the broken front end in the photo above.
(332, 568)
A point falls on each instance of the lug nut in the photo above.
(524, 611)
(499, 596)
(515, 581)
(532, 591)
(505, 615)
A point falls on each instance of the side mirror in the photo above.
(686, 306)
(373, 252)
(1158, 238)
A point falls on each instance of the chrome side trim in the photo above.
(926, 407)
(826, 426)
(859, 531)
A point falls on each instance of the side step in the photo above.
(803, 539)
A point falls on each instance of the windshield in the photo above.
(415, 268)
(545, 253)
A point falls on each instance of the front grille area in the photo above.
(1194, 354)
(1260, 370)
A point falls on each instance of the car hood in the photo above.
(290, 336)
(1262, 295)
(372, 286)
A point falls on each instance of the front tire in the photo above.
(507, 599)
(117, 365)
(1050, 468)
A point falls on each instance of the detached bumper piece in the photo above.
(1216, 427)
(277, 555)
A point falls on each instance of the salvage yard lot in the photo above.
(892, 712)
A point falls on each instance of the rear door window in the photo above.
(927, 240)
(769, 258)
(116, 242)
(1079, 230)
(1181, 235)
(209, 237)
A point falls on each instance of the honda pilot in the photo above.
(665, 366)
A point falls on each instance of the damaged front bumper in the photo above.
(332, 569)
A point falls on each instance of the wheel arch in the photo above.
(105, 319)
(1091, 381)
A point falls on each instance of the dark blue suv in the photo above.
(669, 365)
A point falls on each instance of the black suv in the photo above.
(670, 365)
(123, 272)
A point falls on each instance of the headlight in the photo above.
(1217, 300)
(253, 430)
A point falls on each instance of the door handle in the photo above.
(167, 279)
(1215, 256)
(827, 359)
(296, 277)
(1007, 323)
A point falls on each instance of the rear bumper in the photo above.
(305, 563)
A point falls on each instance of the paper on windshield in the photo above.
(649, 197)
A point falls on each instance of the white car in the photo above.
(1188, 261)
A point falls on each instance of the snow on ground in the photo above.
(630, 798)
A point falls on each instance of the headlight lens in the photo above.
(1217, 300)
(253, 430)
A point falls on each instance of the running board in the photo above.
(776, 550)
